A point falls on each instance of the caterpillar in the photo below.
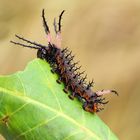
(61, 62)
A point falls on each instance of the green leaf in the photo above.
(33, 106)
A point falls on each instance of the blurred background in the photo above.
(104, 35)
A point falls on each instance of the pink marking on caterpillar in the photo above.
(103, 92)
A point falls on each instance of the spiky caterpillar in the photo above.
(62, 63)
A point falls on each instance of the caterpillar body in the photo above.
(61, 62)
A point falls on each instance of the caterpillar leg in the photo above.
(66, 89)
(53, 67)
(58, 80)
(85, 105)
(88, 107)
(53, 71)
(39, 54)
(71, 96)
(82, 100)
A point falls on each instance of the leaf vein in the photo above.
(72, 134)
(37, 126)
(27, 99)
(21, 83)
(18, 109)
(52, 90)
